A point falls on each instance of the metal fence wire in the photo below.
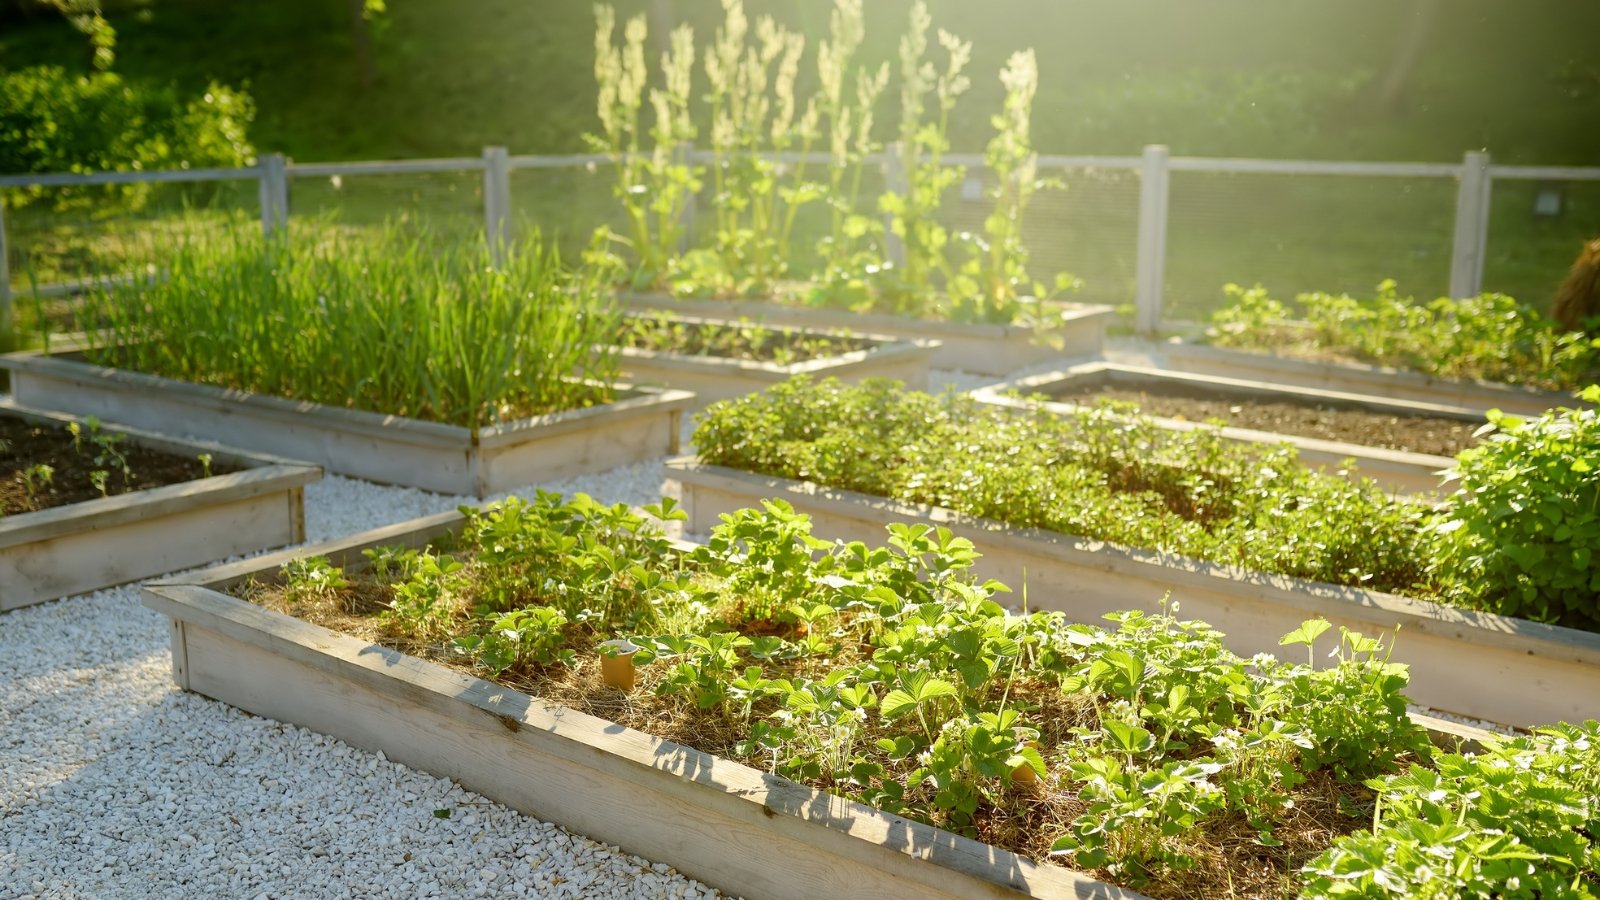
(1160, 233)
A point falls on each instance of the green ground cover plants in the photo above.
(1143, 752)
(395, 323)
(666, 333)
(1107, 474)
(1490, 337)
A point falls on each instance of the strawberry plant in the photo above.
(1144, 752)
(1489, 337)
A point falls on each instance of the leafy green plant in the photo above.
(312, 578)
(389, 322)
(655, 187)
(1099, 474)
(36, 478)
(1518, 820)
(906, 684)
(1490, 337)
(664, 332)
(1521, 534)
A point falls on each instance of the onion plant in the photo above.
(391, 321)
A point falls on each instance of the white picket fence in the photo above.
(1474, 176)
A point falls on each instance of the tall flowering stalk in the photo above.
(913, 209)
(656, 187)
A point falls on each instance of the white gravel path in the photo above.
(115, 784)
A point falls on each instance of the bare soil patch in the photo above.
(24, 446)
(1415, 434)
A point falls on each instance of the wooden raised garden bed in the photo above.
(642, 423)
(1350, 423)
(1475, 664)
(92, 544)
(714, 377)
(978, 349)
(1376, 381)
(744, 831)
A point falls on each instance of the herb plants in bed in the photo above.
(1445, 345)
(1104, 475)
(45, 464)
(1144, 752)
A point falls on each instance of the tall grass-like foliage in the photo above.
(393, 323)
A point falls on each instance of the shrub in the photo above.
(1522, 534)
(53, 121)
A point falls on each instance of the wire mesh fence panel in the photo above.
(60, 238)
(1536, 230)
(566, 205)
(1082, 222)
(449, 204)
(1301, 233)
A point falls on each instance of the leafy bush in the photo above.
(1490, 337)
(1096, 474)
(1522, 534)
(52, 121)
(1517, 821)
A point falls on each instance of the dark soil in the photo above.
(24, 445)
(1416, 434)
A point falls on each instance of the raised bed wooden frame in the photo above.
(978, 349)
(738, 829)
(643, 423)
(1376, 381)
(1395, 470)
(66, 550)
(1475, 664)
(713, 378)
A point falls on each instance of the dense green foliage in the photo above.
(1523, 531)
(889, 675)
(395, 323)
(53, 121)
(1519, 820)
(663, 332)
(1490, 337)
(1097, 474)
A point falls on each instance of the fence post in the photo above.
(1472, 226)
(1154, 195)
(7, 323)
(894, 180)
(496, 201)
(274, 192)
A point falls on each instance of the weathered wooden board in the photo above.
(642, 424)
(98, 543)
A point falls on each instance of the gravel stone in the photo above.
(115, 784)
